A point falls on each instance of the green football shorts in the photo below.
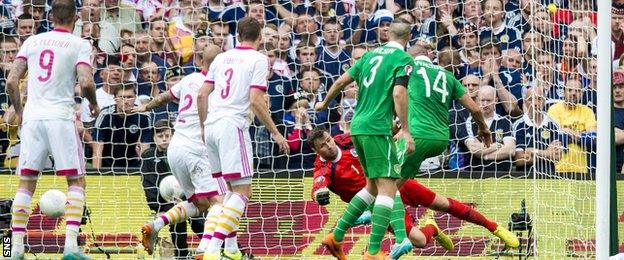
(424, 148)
(377, 155)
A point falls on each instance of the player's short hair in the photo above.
(400, 29)
(63, 11)
(124, 87)
(316, 134)
(162, 125)
(248, 29)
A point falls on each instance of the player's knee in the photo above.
(440, 203)
(78, 181)
(202, 204)
(417, 238)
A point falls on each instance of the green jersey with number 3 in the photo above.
(374, 74)
(431, 91)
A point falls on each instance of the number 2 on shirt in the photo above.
(189, 99)
(46, 66)
(225, 92)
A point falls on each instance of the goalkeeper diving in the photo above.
(338, 169)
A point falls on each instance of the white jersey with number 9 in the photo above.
(52, 60)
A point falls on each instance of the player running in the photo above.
(54, 60)
(337, 169)
(382, 75)
(187, 158)
(239, 80)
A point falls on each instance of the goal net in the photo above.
(530, 66)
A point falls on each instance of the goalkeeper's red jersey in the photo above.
(344, 176)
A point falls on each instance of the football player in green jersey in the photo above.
(382, 76)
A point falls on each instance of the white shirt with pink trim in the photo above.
(234, 73)
(52, 60)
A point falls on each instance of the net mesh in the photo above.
(537, 57)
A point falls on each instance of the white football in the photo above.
(169, 188)
(52, 203)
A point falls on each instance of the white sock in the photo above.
(231, 243)
(73, 217)
(209, 226)
(180, 212)
(20, 212)
(228, 222)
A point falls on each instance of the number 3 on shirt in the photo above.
(376, 62)
(225, 92)
(46, 55)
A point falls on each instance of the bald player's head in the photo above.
(400, 30)
(210, 52)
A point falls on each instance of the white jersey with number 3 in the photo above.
(187, 128)
(234, 73)
(52, 60)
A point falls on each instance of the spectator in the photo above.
(154, 168)
(618, 118)
(576, 121)
(37, 9)
(617, 30)
(445, 22)
(311, 88)
(90, 20)
(112, 77)
(499, 155)
(158, 36)
(149, 84)
(25, 27)
(121, 136)
(458, 115)
(269, 35)
(220, 35)
(495, 26)
(467, 43)
(200, 42)
(359, 24)
(129, 63)
(279, 87)
(573, 52)
(544, 75)
(7, 26)
(538, 141)
(383, 18)
(170, 110)
(298, 125)
(333, 58)
(424, 21)
(144, 53)
(473, 13)
(181, 32)
(589, 80)
(120, 16)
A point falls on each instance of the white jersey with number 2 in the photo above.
(234, 73)
(187, 128)
(52, 60)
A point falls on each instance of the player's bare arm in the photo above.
(160, 100)
(260, 108)
(202, 102)
(20, 66)
(399, 94)
(483, 133)
(85, 80)
(344, 80)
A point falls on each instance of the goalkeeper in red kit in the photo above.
(337, 169)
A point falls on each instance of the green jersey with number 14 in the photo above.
(374, 74)
(431, 91)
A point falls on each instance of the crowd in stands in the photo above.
(530, 64)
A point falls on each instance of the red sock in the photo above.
(465, 212)
(429, 231)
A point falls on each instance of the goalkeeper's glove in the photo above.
(321, 196)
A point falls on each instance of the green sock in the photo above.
(356, 206)
(397, 219)
(380, 220)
